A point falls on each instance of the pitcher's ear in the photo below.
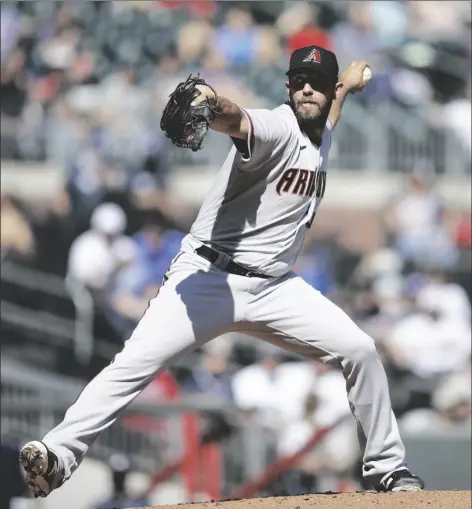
(287, 87)
(337, 89)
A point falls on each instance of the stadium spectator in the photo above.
(96, 255)
(193, 40)
(148, 191)
(451, 407)
(236, 38)
(212, 375)
(356, 38)
(253, 389)
(55, 228)
(67, 132)
(134, 284)
(415, 218)
(121, 99)
(62, 56)
(273, 391)
(377, 300)
(390, 21)
(199, 9)
(129, 295)
(121, 499)
(162, 82)
(325, 404)
(438, 19)
(315, 268)
(431, 341)
(10, 29)
(464, 232)
(14, 97)
(457, 116)
(292, 438)
(299, 25)
(448, 297)
(86, 168)
(59, 51)
(17, 238)
(336, 455)
(156, 245)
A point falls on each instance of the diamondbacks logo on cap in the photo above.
(313, 56)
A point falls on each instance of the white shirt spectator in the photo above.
(450, 299)
(293, 437)
(457, 116)
(330, 391)
(278, 396)
(454, 390)
(419, 420)
(430, 347)
(416, 218)
(430, 20)
(390, 21)
(96, 254)
(339, 449)
(416, 213)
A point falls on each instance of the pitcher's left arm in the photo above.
(350, 81)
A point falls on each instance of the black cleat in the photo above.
(401, 480)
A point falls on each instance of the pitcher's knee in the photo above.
(362, 349)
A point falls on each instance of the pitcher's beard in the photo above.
(309, 124)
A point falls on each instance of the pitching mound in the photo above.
(365, 500)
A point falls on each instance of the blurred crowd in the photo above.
(83, 84)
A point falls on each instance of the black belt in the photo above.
(228, 265)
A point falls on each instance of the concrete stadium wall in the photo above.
(345, 190)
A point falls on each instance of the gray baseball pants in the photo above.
(200, 302)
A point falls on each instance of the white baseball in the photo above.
(367, 75)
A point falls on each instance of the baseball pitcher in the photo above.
(234, 271)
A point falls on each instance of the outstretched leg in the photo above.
(176, 322)
(301, 320)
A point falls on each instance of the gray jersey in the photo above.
(266, 195)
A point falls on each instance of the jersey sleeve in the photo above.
(326, 145)
(327, 133)
(268, 133)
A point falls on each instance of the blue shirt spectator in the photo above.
(211, 376)
(138, 282)
(155, 250)
(236, 39)
(313, 267)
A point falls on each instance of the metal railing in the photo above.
(82, 336)
(84, 314)
(375, 138)
(33, 402)
(383, 137)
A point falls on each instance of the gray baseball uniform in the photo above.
(260, 206)
(257, 213)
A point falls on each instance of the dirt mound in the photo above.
(364, 500)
